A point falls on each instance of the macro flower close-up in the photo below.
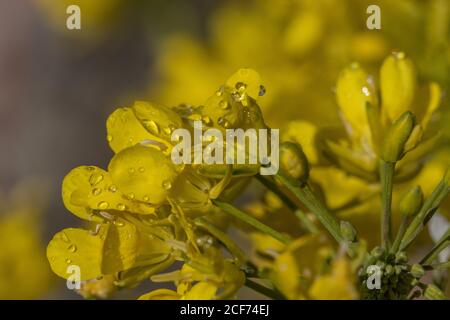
(225, 150)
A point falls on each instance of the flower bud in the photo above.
(411, 202)
(398, 84)
(401, 257)
(417, 271)
(377, 252)
(293, 162)
(354, 90)
(432, 292)
(348, 231)
(396, 137)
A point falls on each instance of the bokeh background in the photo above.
(58, 86)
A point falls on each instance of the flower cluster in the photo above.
(148, 213)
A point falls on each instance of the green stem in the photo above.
(442, 243)
(303, 218)
(250, 220)
(400, 233)
(386, 181)
(264, 290)
(425, 213)
(307, 197)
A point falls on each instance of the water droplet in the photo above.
(167, 184)
(399, 55)
(119, 223)
(262, 90)
(72, 248)
(224, 105)
(96, 191)
(146, 198)
(151, 126)
(112, 188)
(206, 120)
(95, 178)
(68, 261)
(195, 117)
(224, 122)
(64, 237)
(131, 170)
(141, 169)
(167, 131)
(109, 138)
(240, 86)
(121, 207)
(219, 92)
(102, 205)
(131, 196)
(365, 91)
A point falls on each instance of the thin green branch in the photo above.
(228, 208)
(303, 218)
(264, 290)
(426, 212)
(386, 181)
(307, 197)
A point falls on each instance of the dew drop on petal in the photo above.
(141, 169)
(109, 138)
(262, 90)
(224, 105)
(68, 261)
(121, 206)
(103, 205)
(96, 191)
(72, 248)
(112, 188)
(95, 178)
(131, 196)
(167, 184)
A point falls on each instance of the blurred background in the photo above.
(57, 86)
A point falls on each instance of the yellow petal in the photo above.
(337, 286)
(125, 130)
(398, 84)
(354, 90)
(159, 120)
(88, 188)
(246, 80)
(80, 248)
(160, 294)
(304, 133)
(433, 105)
(143, 173)
(201, 291)
(121, 248)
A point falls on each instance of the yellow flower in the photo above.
(24, 272)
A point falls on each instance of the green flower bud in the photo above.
(377, 252)
(388, 270)
(348, 231)
(432, 292)
(293, 162)
(411, 202)
(401, 257)
(396, 137)
(417, 271)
